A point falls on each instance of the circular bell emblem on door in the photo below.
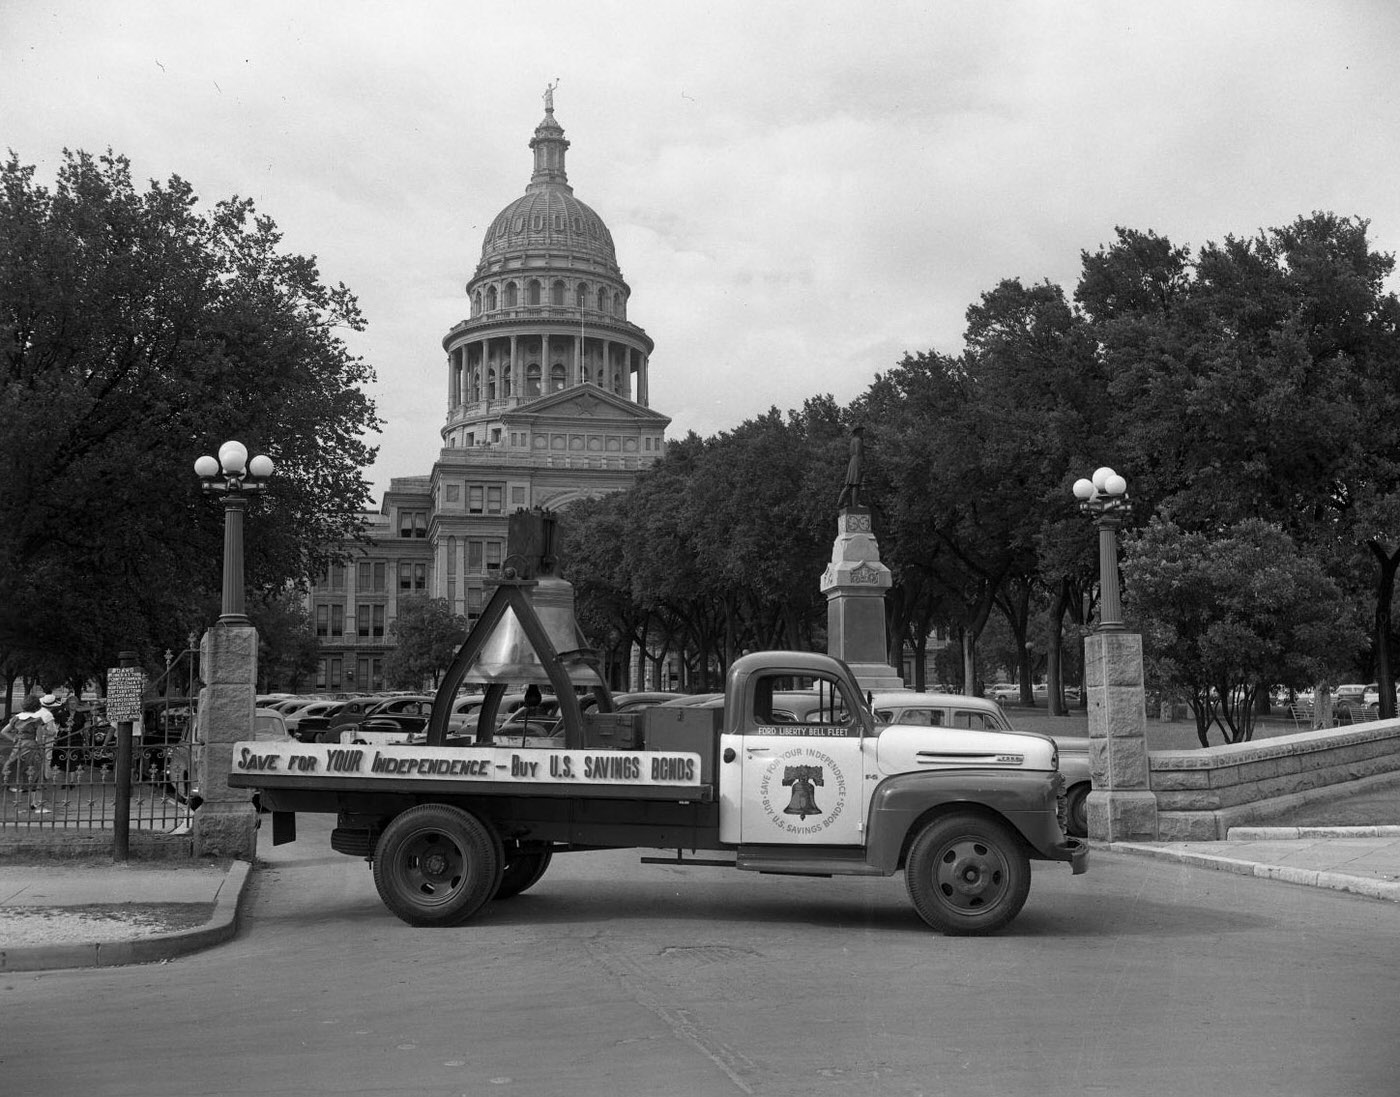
(803, 791)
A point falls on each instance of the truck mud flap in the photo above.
(284, 827)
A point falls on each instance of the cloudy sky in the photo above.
(799, 192)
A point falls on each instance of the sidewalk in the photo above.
(66, 914)
(1361, 860)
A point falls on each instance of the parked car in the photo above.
(269, 726)
(290, 704)
(405, 718)
(695, 700)
(636, 701)
(1352, 693)
(1372, 697)
(955, 710)
(1010, 693)
(317, 709)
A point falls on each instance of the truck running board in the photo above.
(801, 862)
(699, 862)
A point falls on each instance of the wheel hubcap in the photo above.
(433, 866)
(970, 875)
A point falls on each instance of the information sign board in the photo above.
(125, 688)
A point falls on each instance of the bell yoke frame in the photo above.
(530, 566)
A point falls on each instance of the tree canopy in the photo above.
(140, 331)
(426, 636)
(1249, 389)
(1226, 614)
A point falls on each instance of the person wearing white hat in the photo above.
(28, 753)
(48, 705)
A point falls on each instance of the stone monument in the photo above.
(855, 583)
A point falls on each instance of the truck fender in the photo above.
(1025, 800)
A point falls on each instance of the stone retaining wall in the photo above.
(81, 843)
(1202, 793)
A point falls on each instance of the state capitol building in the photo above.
(547, 402)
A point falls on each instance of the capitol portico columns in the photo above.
(517, 382)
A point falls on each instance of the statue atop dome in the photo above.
(549, 96)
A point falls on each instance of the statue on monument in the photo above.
(549, 95)
(855, 472)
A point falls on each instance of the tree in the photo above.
(137, 332)
(1225, 616)
(1262, 379)
(287, 645)
(593, 534)
(979, 449)
(427, 635)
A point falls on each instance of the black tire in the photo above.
(522, 872)
(967, 875)
(1077, 811)
(437, 865)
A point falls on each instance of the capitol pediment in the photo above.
(587, 401)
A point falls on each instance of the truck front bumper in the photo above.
(1076, 852)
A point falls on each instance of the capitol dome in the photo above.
(549, 313)
(548, 217)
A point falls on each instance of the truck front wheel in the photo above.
(436, 865)
(967, 875)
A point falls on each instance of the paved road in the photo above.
(614, 978)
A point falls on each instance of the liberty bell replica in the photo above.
(803, 780)
(506, 653)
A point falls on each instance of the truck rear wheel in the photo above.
(437, 865)
(522, 872)
(967, 875)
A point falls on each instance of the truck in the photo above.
(455, 822)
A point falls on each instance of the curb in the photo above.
(145, 950)
(1388, 890)
(1275, 834)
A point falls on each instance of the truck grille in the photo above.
(1061, 802)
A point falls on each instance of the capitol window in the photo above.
(491, 299)
(512, 292)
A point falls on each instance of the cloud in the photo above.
(799, 192)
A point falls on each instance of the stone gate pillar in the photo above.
(225, 824)
(1122, 807)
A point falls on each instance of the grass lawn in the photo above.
(1161, 734)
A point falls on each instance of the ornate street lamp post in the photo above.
(1105, 498)
(235, 477)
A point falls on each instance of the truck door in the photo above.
(794, 783)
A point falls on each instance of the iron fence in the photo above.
(47, 786)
